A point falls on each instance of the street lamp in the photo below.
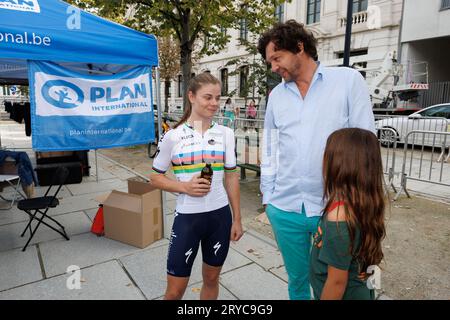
(348, 33)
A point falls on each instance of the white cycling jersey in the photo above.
(188, 151)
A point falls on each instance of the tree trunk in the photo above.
(166, 95)
(186, 62)
(186, 54)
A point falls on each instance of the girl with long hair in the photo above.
(351, 229)
(203, 212)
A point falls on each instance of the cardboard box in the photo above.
(8, 167)
(135, 217)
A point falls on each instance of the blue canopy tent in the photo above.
(52, 30)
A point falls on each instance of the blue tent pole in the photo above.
(96, 165)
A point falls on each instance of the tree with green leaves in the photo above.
(260, 77)
(168, 49)
(188, 20)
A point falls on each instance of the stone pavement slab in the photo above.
(77, 203)
(193, 292)
(83, 250)
(106, 281)
(112, 166)
(91, 187)
(12, 215)
(280, 272)
(103, 175)
(235, 260)
(91, 213)
(262, 253)
(39, 191)
(252, 282)
(148, 270)
(67, 204)
(18, 268)
(74, 223)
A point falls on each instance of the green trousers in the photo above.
(293, 232)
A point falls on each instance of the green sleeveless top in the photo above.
(332, 247)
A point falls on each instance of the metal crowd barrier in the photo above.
(422, 149)
(388, 154)
(425, 166)
(242, 123)
(248, 135)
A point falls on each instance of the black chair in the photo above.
(42, 204)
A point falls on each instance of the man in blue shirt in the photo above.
(312, 102)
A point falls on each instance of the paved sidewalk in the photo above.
(110, 269)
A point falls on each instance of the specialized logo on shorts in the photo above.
(188, 254)
(217, 247)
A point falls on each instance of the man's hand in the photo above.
(197, 187)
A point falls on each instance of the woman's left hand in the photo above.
(236, 231)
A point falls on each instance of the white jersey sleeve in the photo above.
(163, 158)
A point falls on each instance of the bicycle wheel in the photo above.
(152, 149)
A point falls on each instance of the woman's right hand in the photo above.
(197, 187)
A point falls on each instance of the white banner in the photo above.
(66, 96)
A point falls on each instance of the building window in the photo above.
(359, 5)
(357, 65)
(168, 89)
(243, 27)
(180, 86)
(224, 80)
(279, 12)
(243, 76)
(313, 14)
(445, 4)
(353, 53)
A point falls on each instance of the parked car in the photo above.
(434, 118)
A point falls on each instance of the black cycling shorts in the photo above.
(211, 228)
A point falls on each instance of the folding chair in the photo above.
(13, 181)
(42, 204)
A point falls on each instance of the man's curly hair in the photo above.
(287, 36)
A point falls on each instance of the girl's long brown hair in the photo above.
(194, 85)
(353, 173)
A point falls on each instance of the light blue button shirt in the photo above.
(296, 130)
